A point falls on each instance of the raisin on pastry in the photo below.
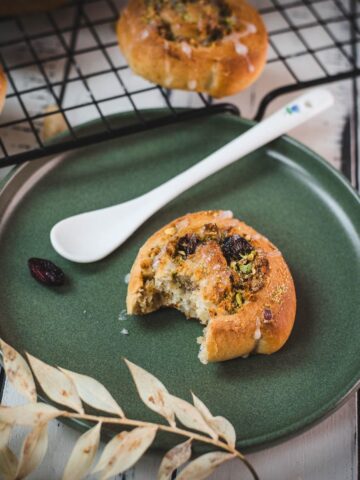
(217, 269)
(213, 46)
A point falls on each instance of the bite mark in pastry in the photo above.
(219, 270)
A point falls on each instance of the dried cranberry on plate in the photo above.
(46, 272)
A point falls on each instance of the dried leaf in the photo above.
(204, 466)
(8, 463)
(221, 425)
(173, 459)
(5, 430)
(124, 451)
(109, 451)
(205, 412)
(83, 455)
(94, 393)
(18, 372)
(56, 384)
(31, 414)
(224, 429)
(32, 451)
(152, 392)
(190, 416)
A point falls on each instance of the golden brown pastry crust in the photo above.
(221, 68)
(261, 325)
(3, 86)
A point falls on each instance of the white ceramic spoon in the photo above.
(91, 236)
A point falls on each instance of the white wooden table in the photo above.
(329, 450)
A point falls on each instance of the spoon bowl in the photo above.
(91, 236)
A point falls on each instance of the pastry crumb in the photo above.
(122, 315)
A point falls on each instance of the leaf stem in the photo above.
(165, 428)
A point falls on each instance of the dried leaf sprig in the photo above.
(73, 390)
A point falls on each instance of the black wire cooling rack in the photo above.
(45, 58)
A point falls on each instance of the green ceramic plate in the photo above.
(285, 191)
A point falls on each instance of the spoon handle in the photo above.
(90, 236)
(288, 117)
